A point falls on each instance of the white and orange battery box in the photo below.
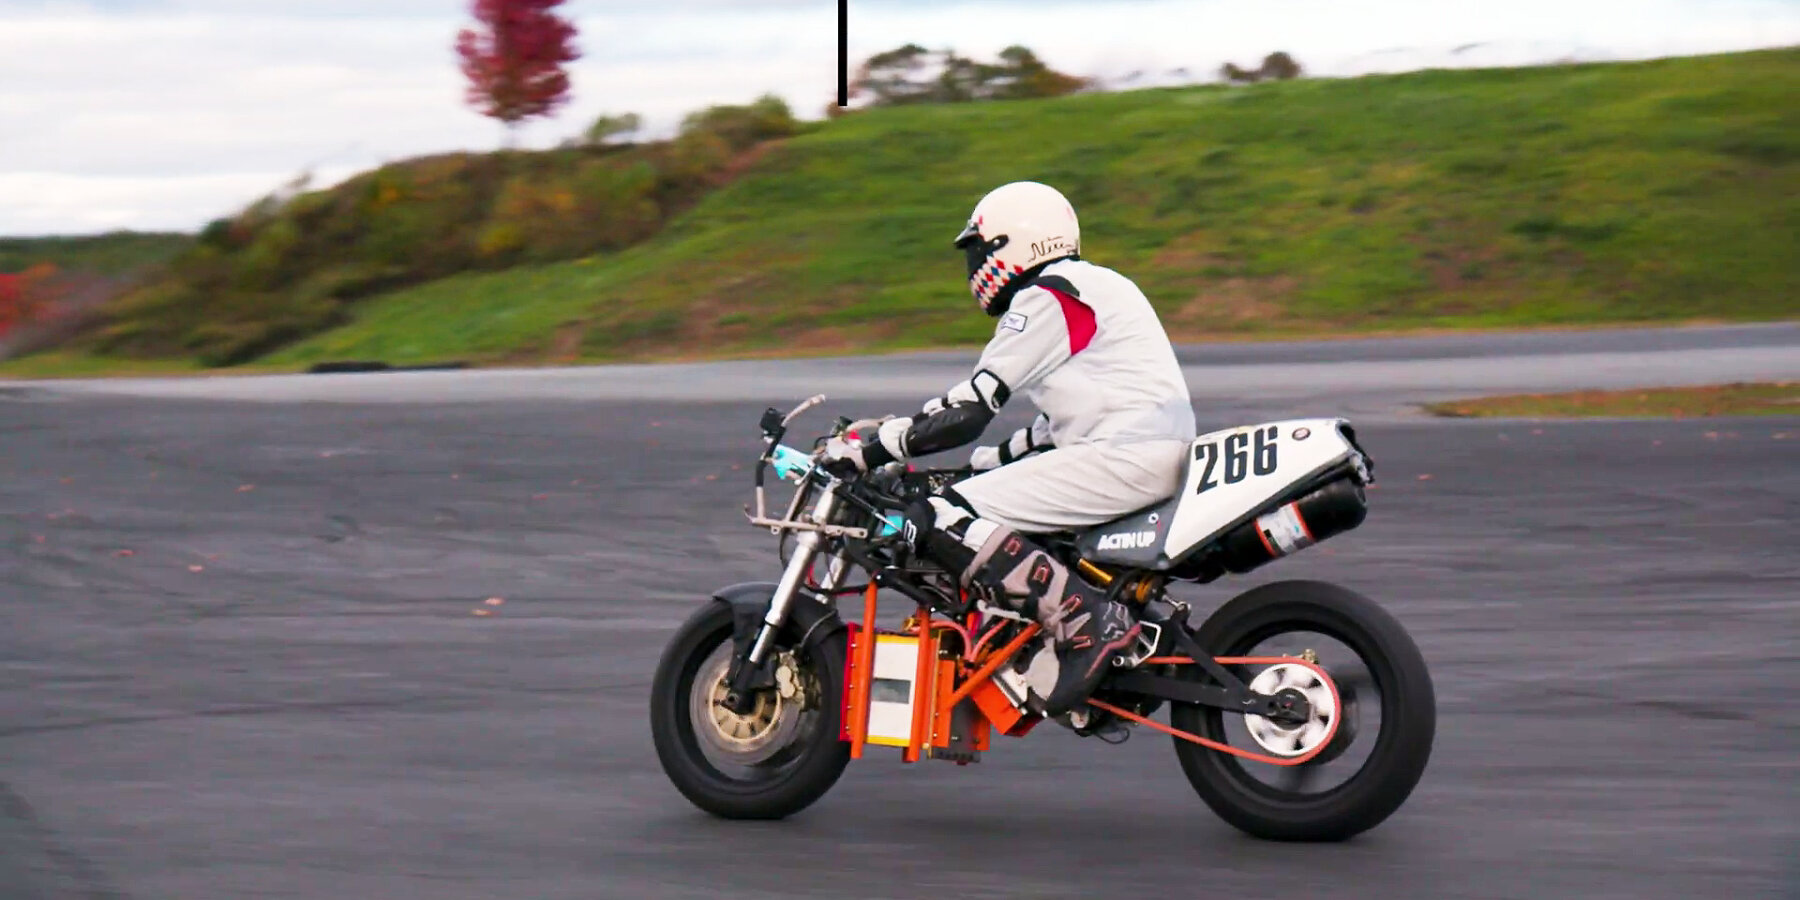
(899, 693)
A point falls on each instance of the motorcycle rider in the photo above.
(1084, 346)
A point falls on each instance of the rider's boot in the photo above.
(1015, 573)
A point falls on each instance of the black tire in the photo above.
(816, 763)
(1401, 749)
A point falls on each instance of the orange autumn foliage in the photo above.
(26, 296)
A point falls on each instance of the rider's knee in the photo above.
(919, 520)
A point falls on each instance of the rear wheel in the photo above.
(774, 760)
(1384, 705)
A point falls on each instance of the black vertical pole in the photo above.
(843, 53)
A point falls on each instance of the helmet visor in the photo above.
(977, 252)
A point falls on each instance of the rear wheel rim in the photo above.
(1365, 731)
(1316, 710)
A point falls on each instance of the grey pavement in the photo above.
(1376, 379)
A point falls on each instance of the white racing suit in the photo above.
(1083, 345)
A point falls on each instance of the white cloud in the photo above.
(54, 203)
(167, 113)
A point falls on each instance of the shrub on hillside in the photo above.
(540, 213)
(692, 159)
(255, 323)
(597, 205)
(743, 126)
(417, 216)
(294, 261)
(269, 259)
(617, 202)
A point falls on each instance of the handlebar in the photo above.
(793, 464)
(805, 405)
(790, 463)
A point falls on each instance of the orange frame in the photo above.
(857, 677)
(933, 708)
(933, 677)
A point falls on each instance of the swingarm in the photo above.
(1176, 690)
(1228, 693)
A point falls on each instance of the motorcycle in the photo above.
(1299, 710)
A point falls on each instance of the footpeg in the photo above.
(1149, 638)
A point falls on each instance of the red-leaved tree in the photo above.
(514, 58)
(26, 297)
(11, 295)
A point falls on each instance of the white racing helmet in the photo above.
(1015, 230)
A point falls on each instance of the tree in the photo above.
(1024, 75)
(912, 74)
(11, 296)
(889, 76)
(514, 59)
(610, 126)
(1277, 66)
(1280, 66)
(26, 297)
(1230, 72)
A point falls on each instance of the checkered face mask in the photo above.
(988, 276)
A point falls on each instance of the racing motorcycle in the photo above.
(1299, 710)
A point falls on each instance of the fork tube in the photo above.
(806, 550)
(834, 571)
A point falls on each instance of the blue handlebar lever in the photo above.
(789, 462)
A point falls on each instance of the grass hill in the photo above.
(294, 263)
(1604, 193)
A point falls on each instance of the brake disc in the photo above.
(758, 736)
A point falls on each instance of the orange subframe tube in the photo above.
(992, 665)
(862, 664)
(922, 690)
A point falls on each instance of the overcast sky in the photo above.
(163, 114)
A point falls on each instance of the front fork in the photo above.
(807, 544)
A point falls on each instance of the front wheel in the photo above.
(1384, 704)
(774, 760)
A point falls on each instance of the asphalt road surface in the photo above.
(249, 647)
(1372, 379)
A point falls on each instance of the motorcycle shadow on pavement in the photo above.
(1065, 817)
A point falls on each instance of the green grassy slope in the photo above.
(1560, 195)
(1591, 194)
